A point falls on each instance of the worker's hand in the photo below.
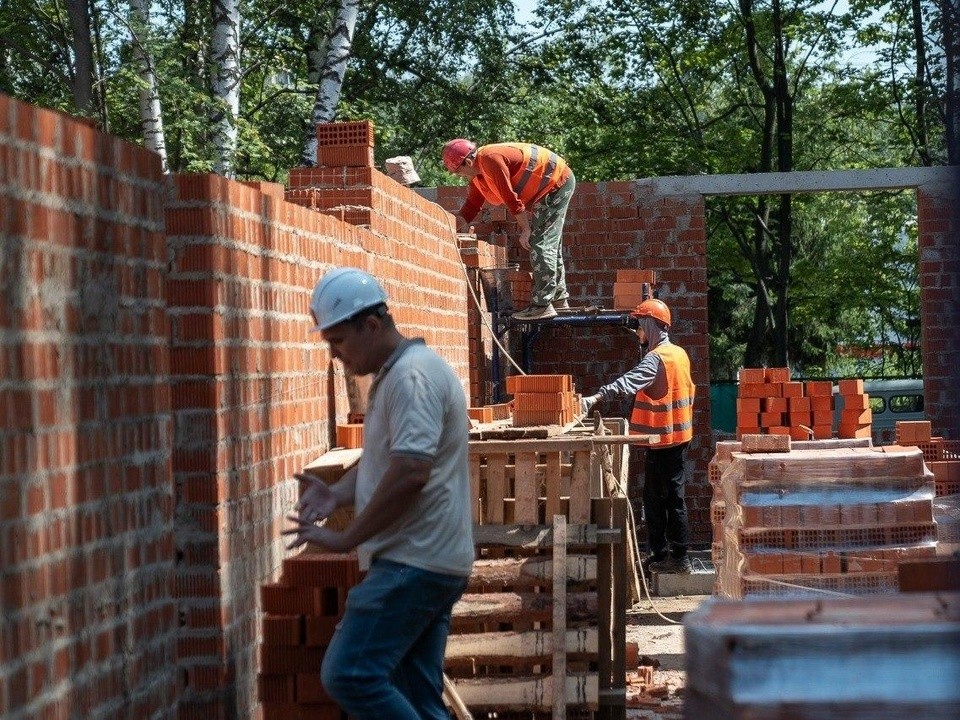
(587, 402)
(308, 532)
(524, 238)
(317, 503)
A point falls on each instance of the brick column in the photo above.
(938, 209)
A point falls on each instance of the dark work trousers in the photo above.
(663, 505)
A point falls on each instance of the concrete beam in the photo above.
(808, 181)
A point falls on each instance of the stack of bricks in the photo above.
(838, 520)
(769, 403)
(942, 456)
(723, 457)
(543, 399)
(630, 286)
(856, 417)
(345, 144)
(301, 612)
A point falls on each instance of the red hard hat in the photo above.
(455, 152)
(657, 309)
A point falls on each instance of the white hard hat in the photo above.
(343, 293)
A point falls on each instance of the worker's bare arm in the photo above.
(396, 492)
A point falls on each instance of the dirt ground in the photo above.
(661, 641)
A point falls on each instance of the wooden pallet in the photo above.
(545, 601)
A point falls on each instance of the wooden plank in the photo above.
(559, 668)
(496, 647)
(496, 488)
(332, 465)
(532, 536)
(530, 693)
(507, 606)
(569, 443)
(475, 506)
(525, 489)
(580, 486)
(601, 516)
(492, 447)
(553, 477)
(619, 610)
(530, 571)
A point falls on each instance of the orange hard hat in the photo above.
(657, 309)
(456, 151)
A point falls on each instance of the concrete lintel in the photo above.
(807, 181)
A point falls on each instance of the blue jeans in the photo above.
(385, 661)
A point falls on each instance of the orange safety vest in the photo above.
(670, 417)
(538, 174)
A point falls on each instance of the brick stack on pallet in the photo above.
(301, 611)
(943, 459)
(721, 460)
(543, 399)
(769, 403)
(942, 456)
(839, 520)
(829, 658)
(629, 288)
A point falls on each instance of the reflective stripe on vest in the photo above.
(546, 171)
(670, 417)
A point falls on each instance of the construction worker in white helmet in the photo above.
(663, 393)
(536, 185)
(411, 494)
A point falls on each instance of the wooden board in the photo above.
(559, 666)
(508, 606)
(333, 464)
(535, 536)
(530, 571)
(494, 647)
(531, 693)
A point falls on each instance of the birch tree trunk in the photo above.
(79, 14)
(225, 83)
(330, 74)
(951, 44)
(151, 114)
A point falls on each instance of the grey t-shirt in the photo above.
(417, 408)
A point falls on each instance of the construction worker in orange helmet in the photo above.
(535, 185)
(663, 393)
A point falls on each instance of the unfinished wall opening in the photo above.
(892, 287)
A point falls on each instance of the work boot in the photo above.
(677, 566)
(563, 304)
(536, 312)
(650, 560)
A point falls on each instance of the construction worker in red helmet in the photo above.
(663, 394)
(535, 185)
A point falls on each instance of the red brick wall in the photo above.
(159, 388)
(88, 622)
(256, 396)
(938, 210)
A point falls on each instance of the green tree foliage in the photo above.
(622, 88)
